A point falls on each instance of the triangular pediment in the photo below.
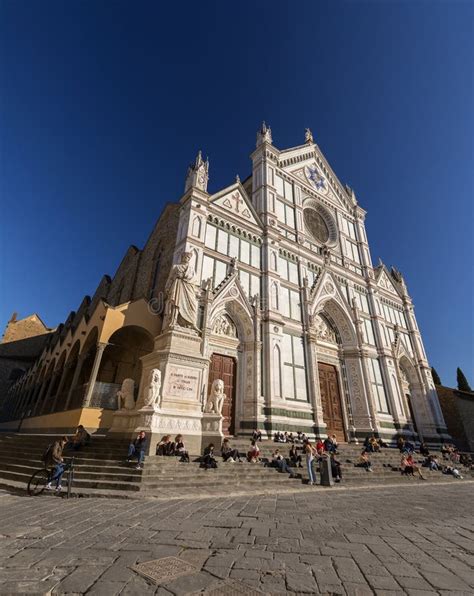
(310, 167)
(327, 288)
(231, 289)
(235, 201)
(385, 282)
(230, 297)
(327, 296)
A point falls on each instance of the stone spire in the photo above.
(198, 174)
(264, 135)
(308, 136)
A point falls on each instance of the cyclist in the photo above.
(54, 460)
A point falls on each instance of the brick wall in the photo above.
(27, 327)
(458, 412)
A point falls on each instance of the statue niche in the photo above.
(180, 294)
(125, 395)
(216, 398)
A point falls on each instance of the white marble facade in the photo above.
(287, 286)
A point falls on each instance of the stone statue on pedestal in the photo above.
(215, 401)
(125, 395)
(152, 396)
(180, 292)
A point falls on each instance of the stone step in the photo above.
(84, 483)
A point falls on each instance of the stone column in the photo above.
(95, 371)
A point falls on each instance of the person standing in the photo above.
(309, 452)
(54, 460)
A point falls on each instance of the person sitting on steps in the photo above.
(364, 461)
(253, 455)
(228, 454)
(400, 444)
(408, 467)
(320, 447)
(208, 460)
(137, 448)
(424, 450)
(257, 435)
(165, 447)
(180, 450)
(80, 439)
(278, 461)
(54, 460)
(330, 444)
(295, 458)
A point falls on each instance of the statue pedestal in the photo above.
(212, 430)
(177, 354)
(123, 422)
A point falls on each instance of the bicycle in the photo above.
(40, 479)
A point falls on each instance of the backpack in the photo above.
(46, 454)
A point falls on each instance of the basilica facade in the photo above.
(266, 285)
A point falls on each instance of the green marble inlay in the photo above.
(286, 413)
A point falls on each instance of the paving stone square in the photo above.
(413, 539)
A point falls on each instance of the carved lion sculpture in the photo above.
(152, 393)
(215, 401)
(125, 395)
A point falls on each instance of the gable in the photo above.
(235, 201)
(387, 284)
(310, 167)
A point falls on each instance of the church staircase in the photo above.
(101, 470)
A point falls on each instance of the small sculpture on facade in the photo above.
(152, 394)
(324, 331)
(308, 136)
(264, 134)
(223, 326)
(125, 395)
(326, 255)
(180, 292)
(216, 398)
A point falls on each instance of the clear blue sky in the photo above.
(103, 105)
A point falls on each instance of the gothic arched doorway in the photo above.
(329, 385)
(225, 368)
(223, 365)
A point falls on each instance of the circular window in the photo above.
(316, 225)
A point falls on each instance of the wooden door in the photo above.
(224, 367)
(331, 401)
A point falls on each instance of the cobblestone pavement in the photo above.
(415, 539)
